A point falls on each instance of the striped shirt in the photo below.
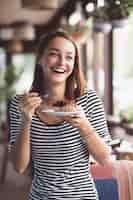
(59, 154)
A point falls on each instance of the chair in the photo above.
(114, 181)
(4, 145)
(4, 161)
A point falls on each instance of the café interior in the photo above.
(103, 32)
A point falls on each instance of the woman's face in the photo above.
(58, 60)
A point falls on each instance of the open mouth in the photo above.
(58, 70)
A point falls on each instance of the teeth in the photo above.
(58, 69)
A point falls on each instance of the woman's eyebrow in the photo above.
(53, 49)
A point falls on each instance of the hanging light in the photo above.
(100, 3)
(76, 16)
(90, 7)
(40, 4)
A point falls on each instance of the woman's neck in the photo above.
(56, 93)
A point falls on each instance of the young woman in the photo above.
(59, 146)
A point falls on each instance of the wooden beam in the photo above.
(108, 68)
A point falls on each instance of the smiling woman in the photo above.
(59, 145)
(58, 61)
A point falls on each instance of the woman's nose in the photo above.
(62, 60)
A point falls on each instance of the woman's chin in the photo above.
(58, 79)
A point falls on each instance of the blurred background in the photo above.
(103, 31)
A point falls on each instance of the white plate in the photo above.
(61, 113)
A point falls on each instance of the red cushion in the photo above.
(101, 172)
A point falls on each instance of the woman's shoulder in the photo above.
(91, 97)
(90, 93)
(16, 99)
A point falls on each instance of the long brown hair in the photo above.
(75, 83)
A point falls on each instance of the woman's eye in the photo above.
(69, 57)
(53, 54)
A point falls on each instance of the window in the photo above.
(123, 70)
(24, 63)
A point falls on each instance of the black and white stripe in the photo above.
(60, 156)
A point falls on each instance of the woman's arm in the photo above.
(21, 150)
(93, 129)
(96, 145)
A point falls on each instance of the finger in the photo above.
(33, 99)
(32, 103)
(33, 106)
(68, 108)
(28, 100)
(32, 94)
(30, 107)
(76, 122)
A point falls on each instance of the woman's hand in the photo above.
(28, 105)
(80, 120)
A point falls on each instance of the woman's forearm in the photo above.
(97, 147)
(21, 149)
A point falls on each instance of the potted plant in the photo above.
(101, 22)
(80, 31)
(8, 78)
(118, 14)
(126, 118)
(114, 14)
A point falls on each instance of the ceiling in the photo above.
(14, 17)
(11, 11)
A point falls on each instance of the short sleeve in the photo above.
(96, 115)
(14, 119)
